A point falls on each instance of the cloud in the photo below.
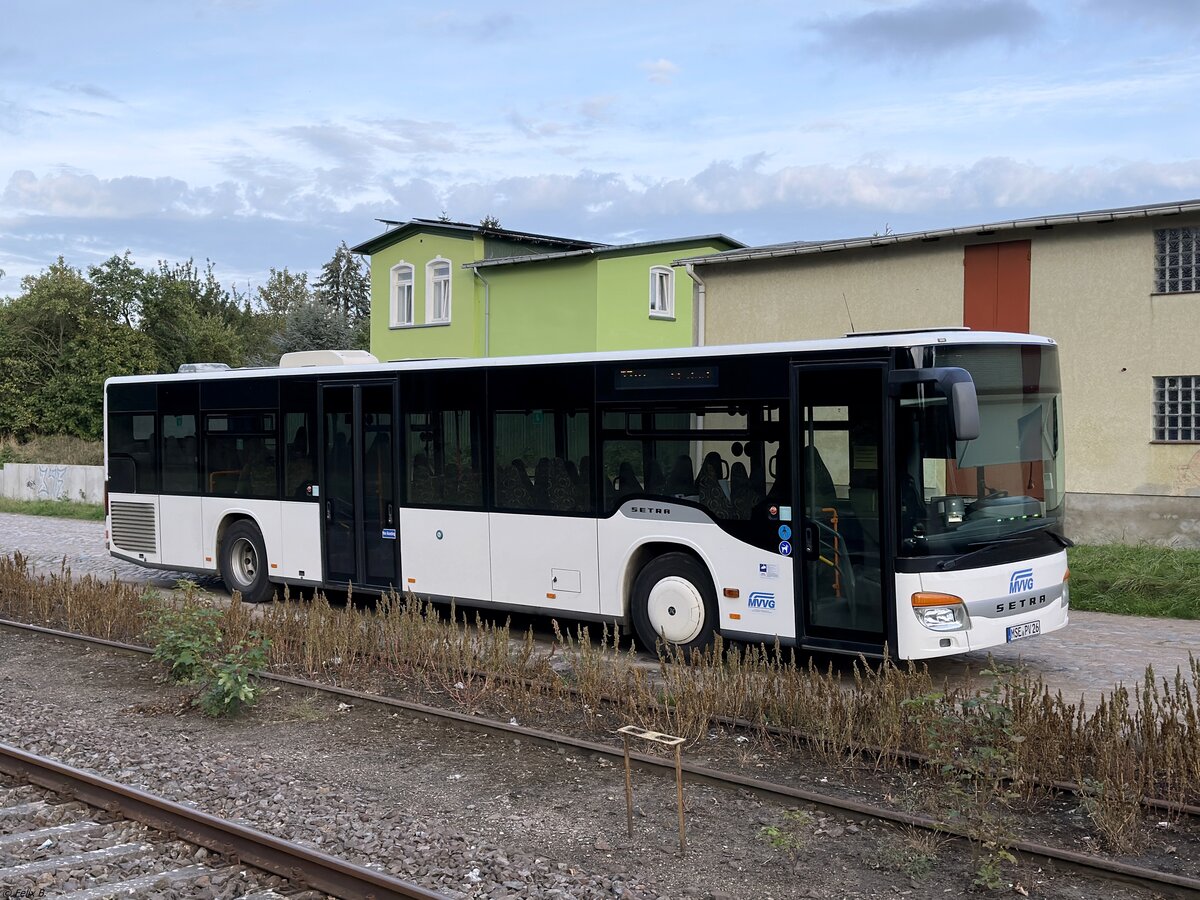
(87, 90)
(930, 27)
(596, 108)
(336, 142)
(14, 116)
(531, 127)
(661, 71)
(1163, 14)
(478, 28)
(69, 193)
(268, 213)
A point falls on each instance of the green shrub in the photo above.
(232, 682)
(185, 638)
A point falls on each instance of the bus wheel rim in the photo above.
(675, 608)
(245, 561)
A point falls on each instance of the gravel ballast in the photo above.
(467, 813)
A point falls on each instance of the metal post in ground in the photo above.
(666, 740)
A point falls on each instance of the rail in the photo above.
(236, 843)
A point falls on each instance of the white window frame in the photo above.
(403, 308)
(432, 285)
(662, 292)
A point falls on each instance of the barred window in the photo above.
(1176, 260)
(1177, 408)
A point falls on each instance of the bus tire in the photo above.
(244, 562)
(674, 601)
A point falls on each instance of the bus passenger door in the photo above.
(843, 597)
(358, 461)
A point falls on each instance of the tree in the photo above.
(489, 222)
(190, 318)
(120, 289)
(345, 284)
(315, 326)
(283, 292)
(59, 340)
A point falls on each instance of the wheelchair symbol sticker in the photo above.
(785, 548)
(785, 532)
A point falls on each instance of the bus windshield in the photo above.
(1007, 484)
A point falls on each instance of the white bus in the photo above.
(898, 493)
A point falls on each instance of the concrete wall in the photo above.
(1091, 288)
(32, 481)
(818, 296)
(1133, 519)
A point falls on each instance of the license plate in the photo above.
(1024, 630)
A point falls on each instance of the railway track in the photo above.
(69, 833)
(1162, 883)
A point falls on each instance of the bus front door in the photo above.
(358, 463)
(842, 600)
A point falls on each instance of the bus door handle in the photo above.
(812, 540)
(389, 514)
(329, 512)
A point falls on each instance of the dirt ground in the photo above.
(567, 809)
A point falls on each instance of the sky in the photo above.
(261, 133)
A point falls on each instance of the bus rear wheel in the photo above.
(674, 601)
(244, 562)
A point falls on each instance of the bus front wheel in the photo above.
(674, 601)
(244, 562)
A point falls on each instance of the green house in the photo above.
(449, 289)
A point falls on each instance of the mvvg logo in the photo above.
(761, 600)
(1021, 581)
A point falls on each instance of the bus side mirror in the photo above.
(956, 386)
(964, 407)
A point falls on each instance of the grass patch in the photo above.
(63, 509)
(51, 449)
(1136, 581)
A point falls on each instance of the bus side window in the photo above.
(132, 453)
(441, 441)
(298, 410)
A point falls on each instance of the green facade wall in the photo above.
(463, 336)
(544, 307)
(623, 319)
(578, 303)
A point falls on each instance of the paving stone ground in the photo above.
(1085, 659)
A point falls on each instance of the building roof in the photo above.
(798, 248)
(398, 230)
(605, 249)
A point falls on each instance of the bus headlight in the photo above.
(1066, 597)
(940, 612)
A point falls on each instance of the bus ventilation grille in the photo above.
(133, 526)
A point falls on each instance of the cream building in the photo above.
(1119, 290)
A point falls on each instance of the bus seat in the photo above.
(541, 483)
(818, 481)
(656, 482)
(627, 480)
(681, 483)
(740, 491)
(712, 495)
(560, 491)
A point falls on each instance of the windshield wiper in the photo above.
(996, 543)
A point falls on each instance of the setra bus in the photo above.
(894, 493)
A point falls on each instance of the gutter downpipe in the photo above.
(698, 311)
(487, 312)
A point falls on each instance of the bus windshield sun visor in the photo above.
(953, 383)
